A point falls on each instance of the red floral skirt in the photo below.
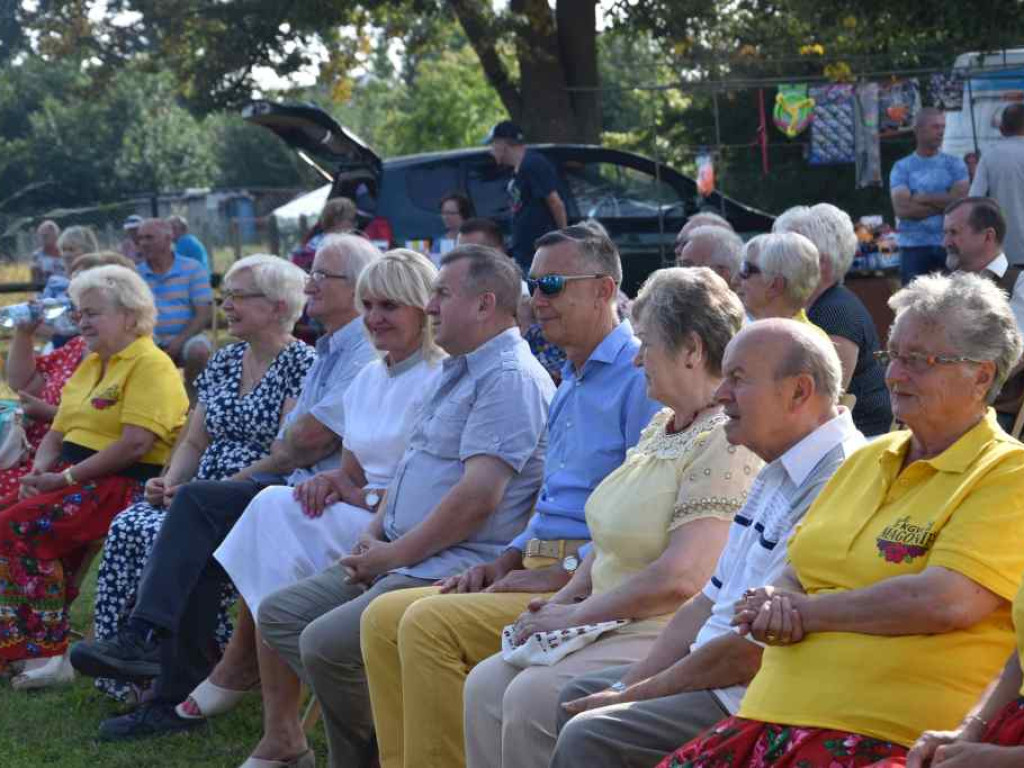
(739, 743)
(42, 542)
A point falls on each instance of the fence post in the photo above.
(273, 235)
(236, 238)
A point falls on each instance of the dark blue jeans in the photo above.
(921, 260)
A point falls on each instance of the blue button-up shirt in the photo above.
(597, 415)
(490, 402)
(340, 357)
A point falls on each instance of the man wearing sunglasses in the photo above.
(973, 230)
(596, 416)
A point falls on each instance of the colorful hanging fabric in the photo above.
(705, 174)
(793, 109)
(898, 105)
(832, 132)
(865, 134)
(947, 91)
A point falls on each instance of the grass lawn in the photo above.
(58, 727)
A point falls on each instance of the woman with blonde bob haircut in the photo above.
(310, 526)
(119, 415)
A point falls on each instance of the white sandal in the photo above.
(305, 760)
(208, 700)
(44, 673)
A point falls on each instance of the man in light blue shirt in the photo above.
(921, 186)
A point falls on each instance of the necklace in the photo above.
(255, 371)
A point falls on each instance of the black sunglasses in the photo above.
(748, 270)
(552, 285)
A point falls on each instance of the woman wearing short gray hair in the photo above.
(778, 276)
(658, 522)
(244, 393)
(841, 314)
(896, 600)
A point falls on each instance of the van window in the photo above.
(427, 184)
(607, 190)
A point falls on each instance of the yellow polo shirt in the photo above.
(962, 510)
(141, 386)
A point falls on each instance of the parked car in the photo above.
(642, 204)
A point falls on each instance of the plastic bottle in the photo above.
(47, 310)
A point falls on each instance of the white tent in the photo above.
(308, 205)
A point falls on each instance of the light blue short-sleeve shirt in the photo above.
(340, 357)
(494, 402)
(930, 175)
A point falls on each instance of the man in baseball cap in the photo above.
(537, 206)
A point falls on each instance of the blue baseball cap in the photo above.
(506, 129)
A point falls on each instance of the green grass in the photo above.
(58, 727)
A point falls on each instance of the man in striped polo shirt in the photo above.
(184, 299)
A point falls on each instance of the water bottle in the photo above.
(47, 310)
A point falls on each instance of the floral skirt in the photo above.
(42, 542)
(129, 542)
(739, 743)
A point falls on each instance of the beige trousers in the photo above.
(511, 714)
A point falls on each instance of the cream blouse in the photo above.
(666, 481)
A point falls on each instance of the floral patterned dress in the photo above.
(241, 429)
(56, 368)
(739, 743)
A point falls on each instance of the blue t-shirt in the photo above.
(930, 175)
(528, 190)
(189, 246)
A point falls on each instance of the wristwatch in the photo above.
(618, 686)
(373, 499)
(570, 564)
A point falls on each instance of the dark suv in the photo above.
(642, 204)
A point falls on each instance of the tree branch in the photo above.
(479, 25)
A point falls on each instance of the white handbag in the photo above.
(542, 649)
(13, 443)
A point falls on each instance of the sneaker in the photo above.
(128, 656)
(150, 719)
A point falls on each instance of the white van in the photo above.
(991, 82)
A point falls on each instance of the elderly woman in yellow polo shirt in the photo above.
(114, 428)
(894, 613)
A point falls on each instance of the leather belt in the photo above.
(556, 549)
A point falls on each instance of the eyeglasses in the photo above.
(319, 275)
(552, 285)
(748, 270)
(237, 295)
(919, 362)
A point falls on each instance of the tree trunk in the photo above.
(577, 39)
(552, 57)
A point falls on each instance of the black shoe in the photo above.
(150, 719)
(128, 656)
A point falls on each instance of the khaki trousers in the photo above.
(314, 626)
(638, 734)
(419, 646)
(511, 714)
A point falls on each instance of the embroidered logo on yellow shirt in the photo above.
(106, 397)
(903, 541)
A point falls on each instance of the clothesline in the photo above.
(733, 84)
